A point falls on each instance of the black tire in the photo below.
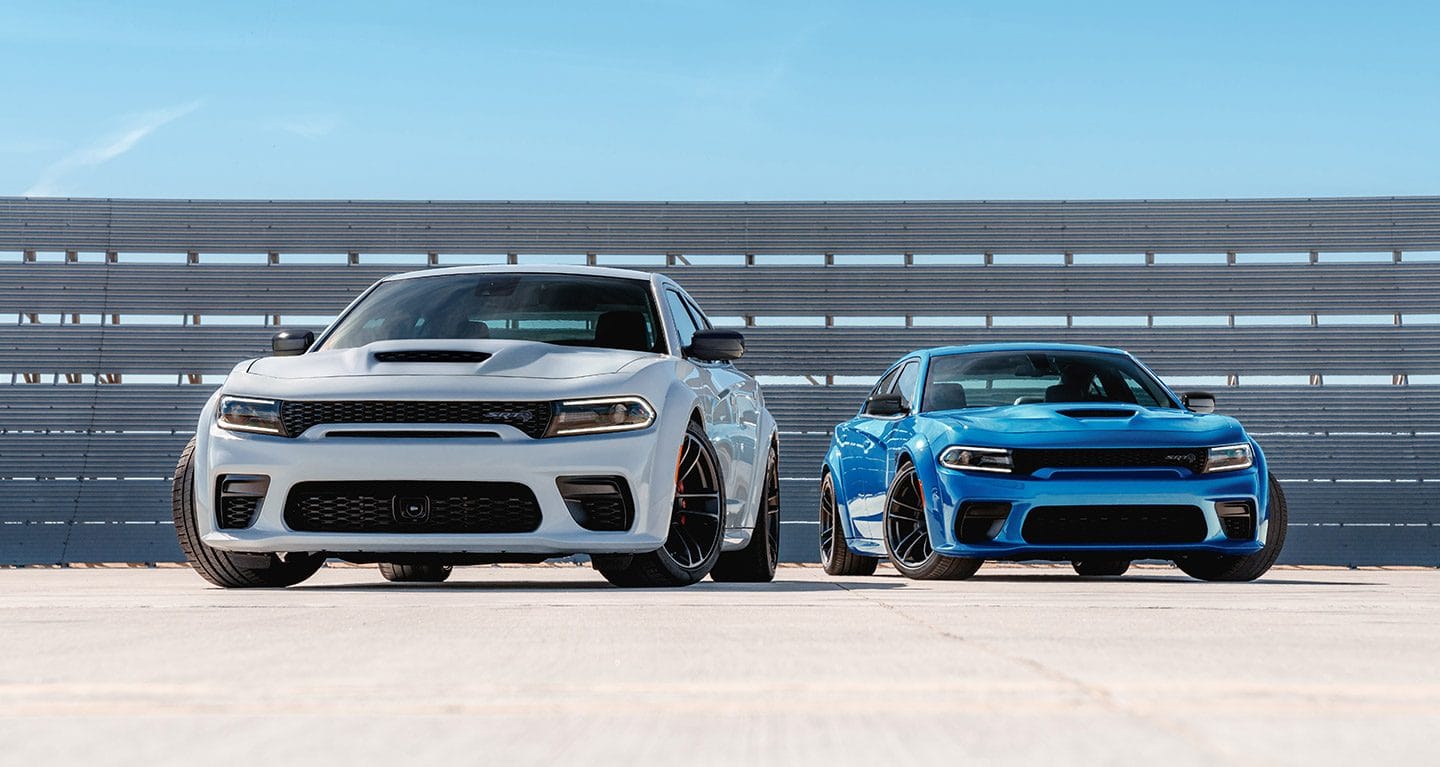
(835, 553)
(697, 525)
(1221, 567)
(756, 562)
(398, 573)
(1099, 568)
(907, 534)
(229, 570)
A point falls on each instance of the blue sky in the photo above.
(692, 99)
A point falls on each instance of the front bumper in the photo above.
(948, 490)
(510, 457)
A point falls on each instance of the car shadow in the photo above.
(778, 586)
(1178, 578)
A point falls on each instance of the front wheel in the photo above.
(757, 561)
(1247, 567)
(697, 524)
(223, 568)
(907, 534)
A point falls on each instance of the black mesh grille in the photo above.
(598, 503)
(236, 512)
(380, 507)
(1238, 527)
(533, 418)
(431, 355)
(1030, 460)
(1114, 524)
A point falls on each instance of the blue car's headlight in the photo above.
(977, 459)
(252, 414)
(1229, 458)
(594, 416)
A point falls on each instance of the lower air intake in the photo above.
(1052, 525)
(412, 507)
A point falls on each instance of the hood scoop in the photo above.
(1098, 413)
(432, 355)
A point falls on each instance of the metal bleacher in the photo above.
(106, 357)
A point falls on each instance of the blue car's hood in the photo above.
(1087, 425)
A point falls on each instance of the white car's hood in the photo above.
(508, 359)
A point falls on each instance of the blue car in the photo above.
(1028, 451)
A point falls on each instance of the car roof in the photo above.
(940, 351)
(579, 271)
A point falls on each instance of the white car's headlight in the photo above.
(252, 414)
(594, 416)
(977, 459)
(1229, 458)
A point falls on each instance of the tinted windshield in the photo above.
(989, 379)
(605, 312)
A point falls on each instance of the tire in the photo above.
(907, 534)
(1097, 568)
(1247, 567)
(835, 552)
(226, 569)
(757, 561)
(397, 573)
(697, 525)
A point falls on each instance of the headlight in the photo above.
(977, 459)
(593, 416)
(261, 416)
(1229, 458)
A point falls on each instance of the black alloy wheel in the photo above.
(907, 534)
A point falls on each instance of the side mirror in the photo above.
(716, 346)
(288, 343)
(886, 405)
(1198, 401)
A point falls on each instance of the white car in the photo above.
(489, 414)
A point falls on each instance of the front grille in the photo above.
(236, 512)
(1030, 460)
(412, 507)
(1048, 525)
(431, 355)
(532, 418)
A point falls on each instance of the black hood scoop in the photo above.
(432, 355)
(1096, 412)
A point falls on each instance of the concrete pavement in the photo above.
(539, 665)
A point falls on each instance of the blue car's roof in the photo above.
(1015, 347)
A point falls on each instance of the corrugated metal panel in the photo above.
(778, 290)
(781, 351)
(1356, 224)
(1260, 408)
(105, 520)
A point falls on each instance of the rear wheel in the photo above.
(757, 561)
(697, 524)
(231, 570)
(397, 573)
(1248, 567)
(1096, 568)
(835, 553)
(907, 534)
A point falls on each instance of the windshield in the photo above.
(604, 312)
(991, 379)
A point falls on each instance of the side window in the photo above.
(700, 318)
(884, 384)
(905, 382)
(684, 325)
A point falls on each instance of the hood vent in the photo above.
(432, 355)
(1098, 413)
